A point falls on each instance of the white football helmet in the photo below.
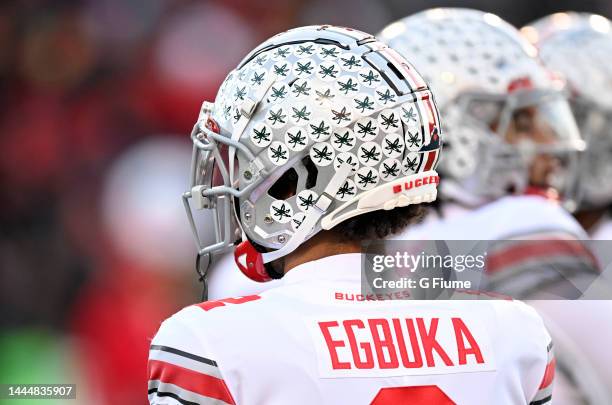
(579, 47)
(315, 126)
(488, 85)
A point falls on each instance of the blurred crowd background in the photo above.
(98, 98)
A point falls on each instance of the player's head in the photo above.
(579, 47)
(507, 124)
(318, 127)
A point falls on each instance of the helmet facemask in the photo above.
(522, 141)
(578, 46)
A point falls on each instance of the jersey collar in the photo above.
(343, 267)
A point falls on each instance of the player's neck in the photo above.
(322, 245)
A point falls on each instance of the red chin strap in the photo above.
(546, 192)
(250, 262)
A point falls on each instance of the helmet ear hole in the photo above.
(286, 185)
(311, 180)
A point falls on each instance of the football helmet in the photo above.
(579, 47)
(315, 126)
(502, 110)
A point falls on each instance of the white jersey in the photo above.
(537, 218)
(315, 339)
(505, 218)
(510, 226)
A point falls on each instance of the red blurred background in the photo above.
(97, 98)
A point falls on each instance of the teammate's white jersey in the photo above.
(316, 340)
(505, 218)
(510, 228)
(537, 218)
(580, 330)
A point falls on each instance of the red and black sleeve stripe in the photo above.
(185, 377)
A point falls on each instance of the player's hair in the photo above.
(380, 224)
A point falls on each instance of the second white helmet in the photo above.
(494, 95)
(579, 47)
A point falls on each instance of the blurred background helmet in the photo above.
(316, 125)
(579, 47)
(507, 122)
(143, 220)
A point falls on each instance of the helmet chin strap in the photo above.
(253, 263)
(203, 274)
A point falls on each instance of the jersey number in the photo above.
(423, 395)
